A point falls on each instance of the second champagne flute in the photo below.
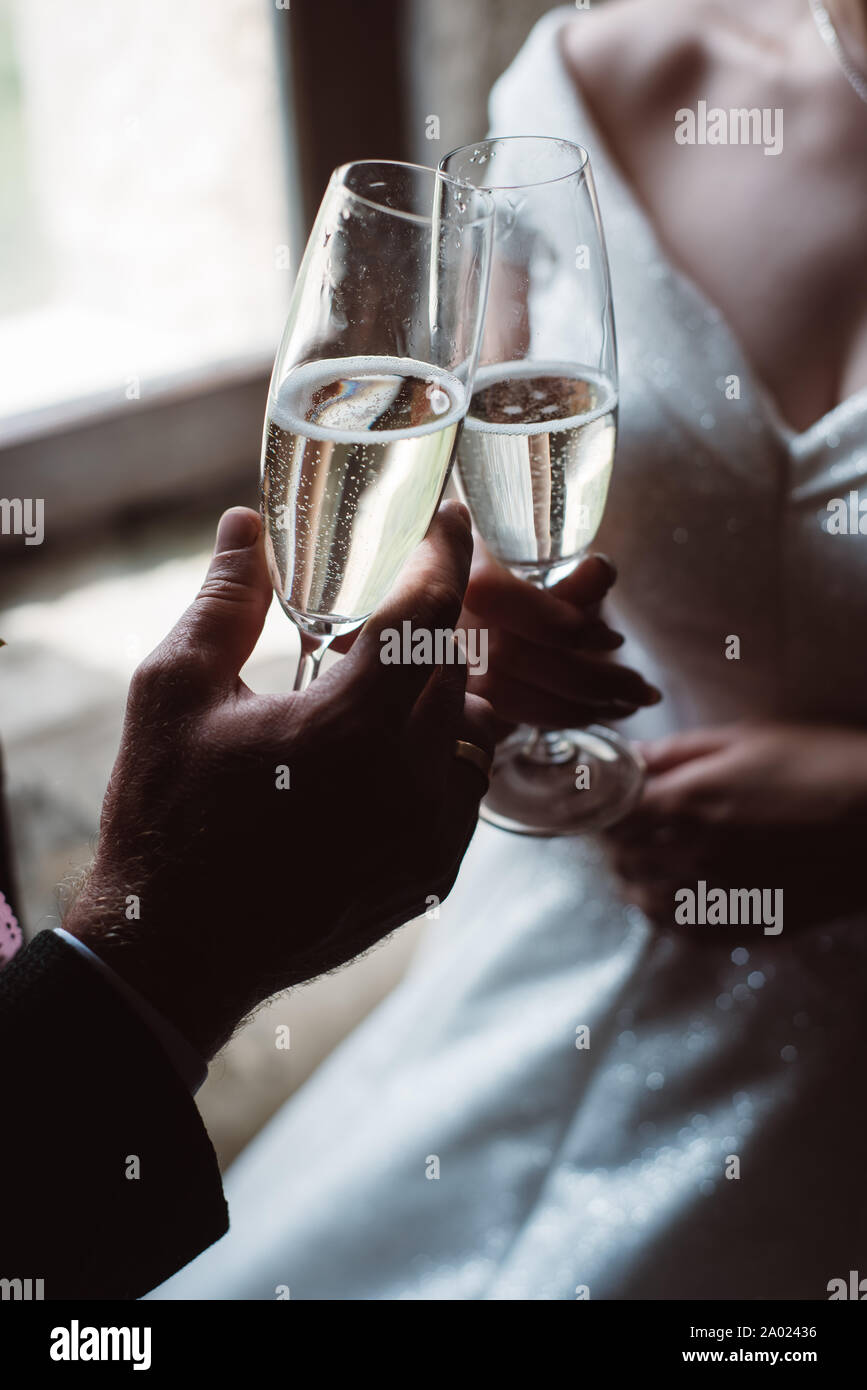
(536, 454)
(370, 385)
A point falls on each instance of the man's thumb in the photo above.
(223, 622)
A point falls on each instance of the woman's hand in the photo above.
(262, 839)
(764, 805)
(548, 651)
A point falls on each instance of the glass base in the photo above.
(562, 783)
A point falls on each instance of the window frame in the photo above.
(201, 429)
(185, 434)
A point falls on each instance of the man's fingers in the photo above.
(478, 724)
(408, 636)
(467, 781)
(439, 709)
(219, 630)
(443, 717)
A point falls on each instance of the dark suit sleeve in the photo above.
(85, 1089)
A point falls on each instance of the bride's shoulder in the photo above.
(643, 54)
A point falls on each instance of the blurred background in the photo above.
(160, 167)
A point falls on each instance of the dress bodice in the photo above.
(718, 513)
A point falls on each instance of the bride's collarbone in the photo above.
(792, 287)
(774, 242)
(775, 245)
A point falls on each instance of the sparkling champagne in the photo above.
(534, 461)
(356, 454)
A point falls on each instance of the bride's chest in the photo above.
(776, 243)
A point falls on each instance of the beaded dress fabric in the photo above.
(460, 1145)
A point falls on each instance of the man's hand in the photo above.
(268, 838)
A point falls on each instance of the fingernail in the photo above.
(237, 530)
(609, 565)
(652, 695)
(610, 641)
(453, 504)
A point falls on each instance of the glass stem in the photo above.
(314, 645)
(546, 746)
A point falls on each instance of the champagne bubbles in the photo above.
(356, 457)
(438, 400)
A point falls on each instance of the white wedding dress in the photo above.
(563, 1171)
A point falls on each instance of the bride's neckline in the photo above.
(601, 155)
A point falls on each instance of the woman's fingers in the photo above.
(699, 789)
(587, 585)
(593, 635)
(346, 641)
(597, 636)
(501, 600)
(570, 675)
(540, 616)
(662, 754)
(516, 702)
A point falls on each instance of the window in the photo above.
(149, 250)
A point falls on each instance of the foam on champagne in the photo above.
(352, 416)
(515, 421)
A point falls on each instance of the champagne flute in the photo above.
(371, 382)
(536, 453)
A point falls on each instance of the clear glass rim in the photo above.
(338, 180)
(582, 155)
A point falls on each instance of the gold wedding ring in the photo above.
(471, 753)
